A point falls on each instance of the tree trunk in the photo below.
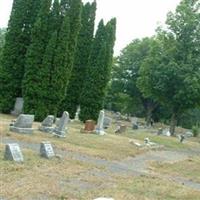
(173, 123)
(149, 115)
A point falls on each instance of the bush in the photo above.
(195, 131)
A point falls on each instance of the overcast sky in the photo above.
(135, 18)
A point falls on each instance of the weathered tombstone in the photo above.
(160, 131)
(166, 132)
(134, 126)
(182, 138)
(107, 122)
(60, 129)
(18, 108)
(121, 129)
(46, 150)
(89, 127)
(146, 140)
(189, 134)
(77, 114)
(99, 127)
(47, 124)
(23, 124)
(57, 121)
(13, 152)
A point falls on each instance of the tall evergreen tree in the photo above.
(23, 16)
(98, 71)
(35, 83)
(85, 38)
(75, 9)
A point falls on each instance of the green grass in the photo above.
(189, 169)
(50, 179)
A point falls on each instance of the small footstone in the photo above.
(46, 150)
(13, 152)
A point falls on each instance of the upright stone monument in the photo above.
(61, 126)
(46, 150)
(23, 124)
(77, 114)
(13, 152)
(18, 108)
(47, 124)
(99, 127)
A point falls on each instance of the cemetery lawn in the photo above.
(189, 168)
(88, 166)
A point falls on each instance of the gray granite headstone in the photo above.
(107, 122)
(13, 152)
(60, 129)
(23, 124)
(18, 108)
(46, 150)
(47, 124)
(99, 127)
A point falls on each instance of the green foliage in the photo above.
(170, 74)
(124, 79)
(195, 131)
(2, 37)
(50, 57)
(35, 80)
(72, 99)
(98, 71)
(17, 40)
(2, 41)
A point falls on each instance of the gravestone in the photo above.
(181, 138)
(99, 127)
(60, 129)
(77, 114)
(18, 108)
(121, 128)
(89, 127)
(46, 150)
(160, 131)
(13, 152)
(135, 127)
(57, 121)
(47, 124)
(134, 121)
(23, 124)
(107, 122)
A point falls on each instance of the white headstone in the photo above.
(13, 152)
(46, 150)
(99, 127)
(77, 114)
(23, 124)
(60, 129)
(18, 108)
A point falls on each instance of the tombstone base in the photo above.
(46, 129)
(100, 132)
(87, 132)
(60, 134)
(21, 130)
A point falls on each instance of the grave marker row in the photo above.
(13, 151)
